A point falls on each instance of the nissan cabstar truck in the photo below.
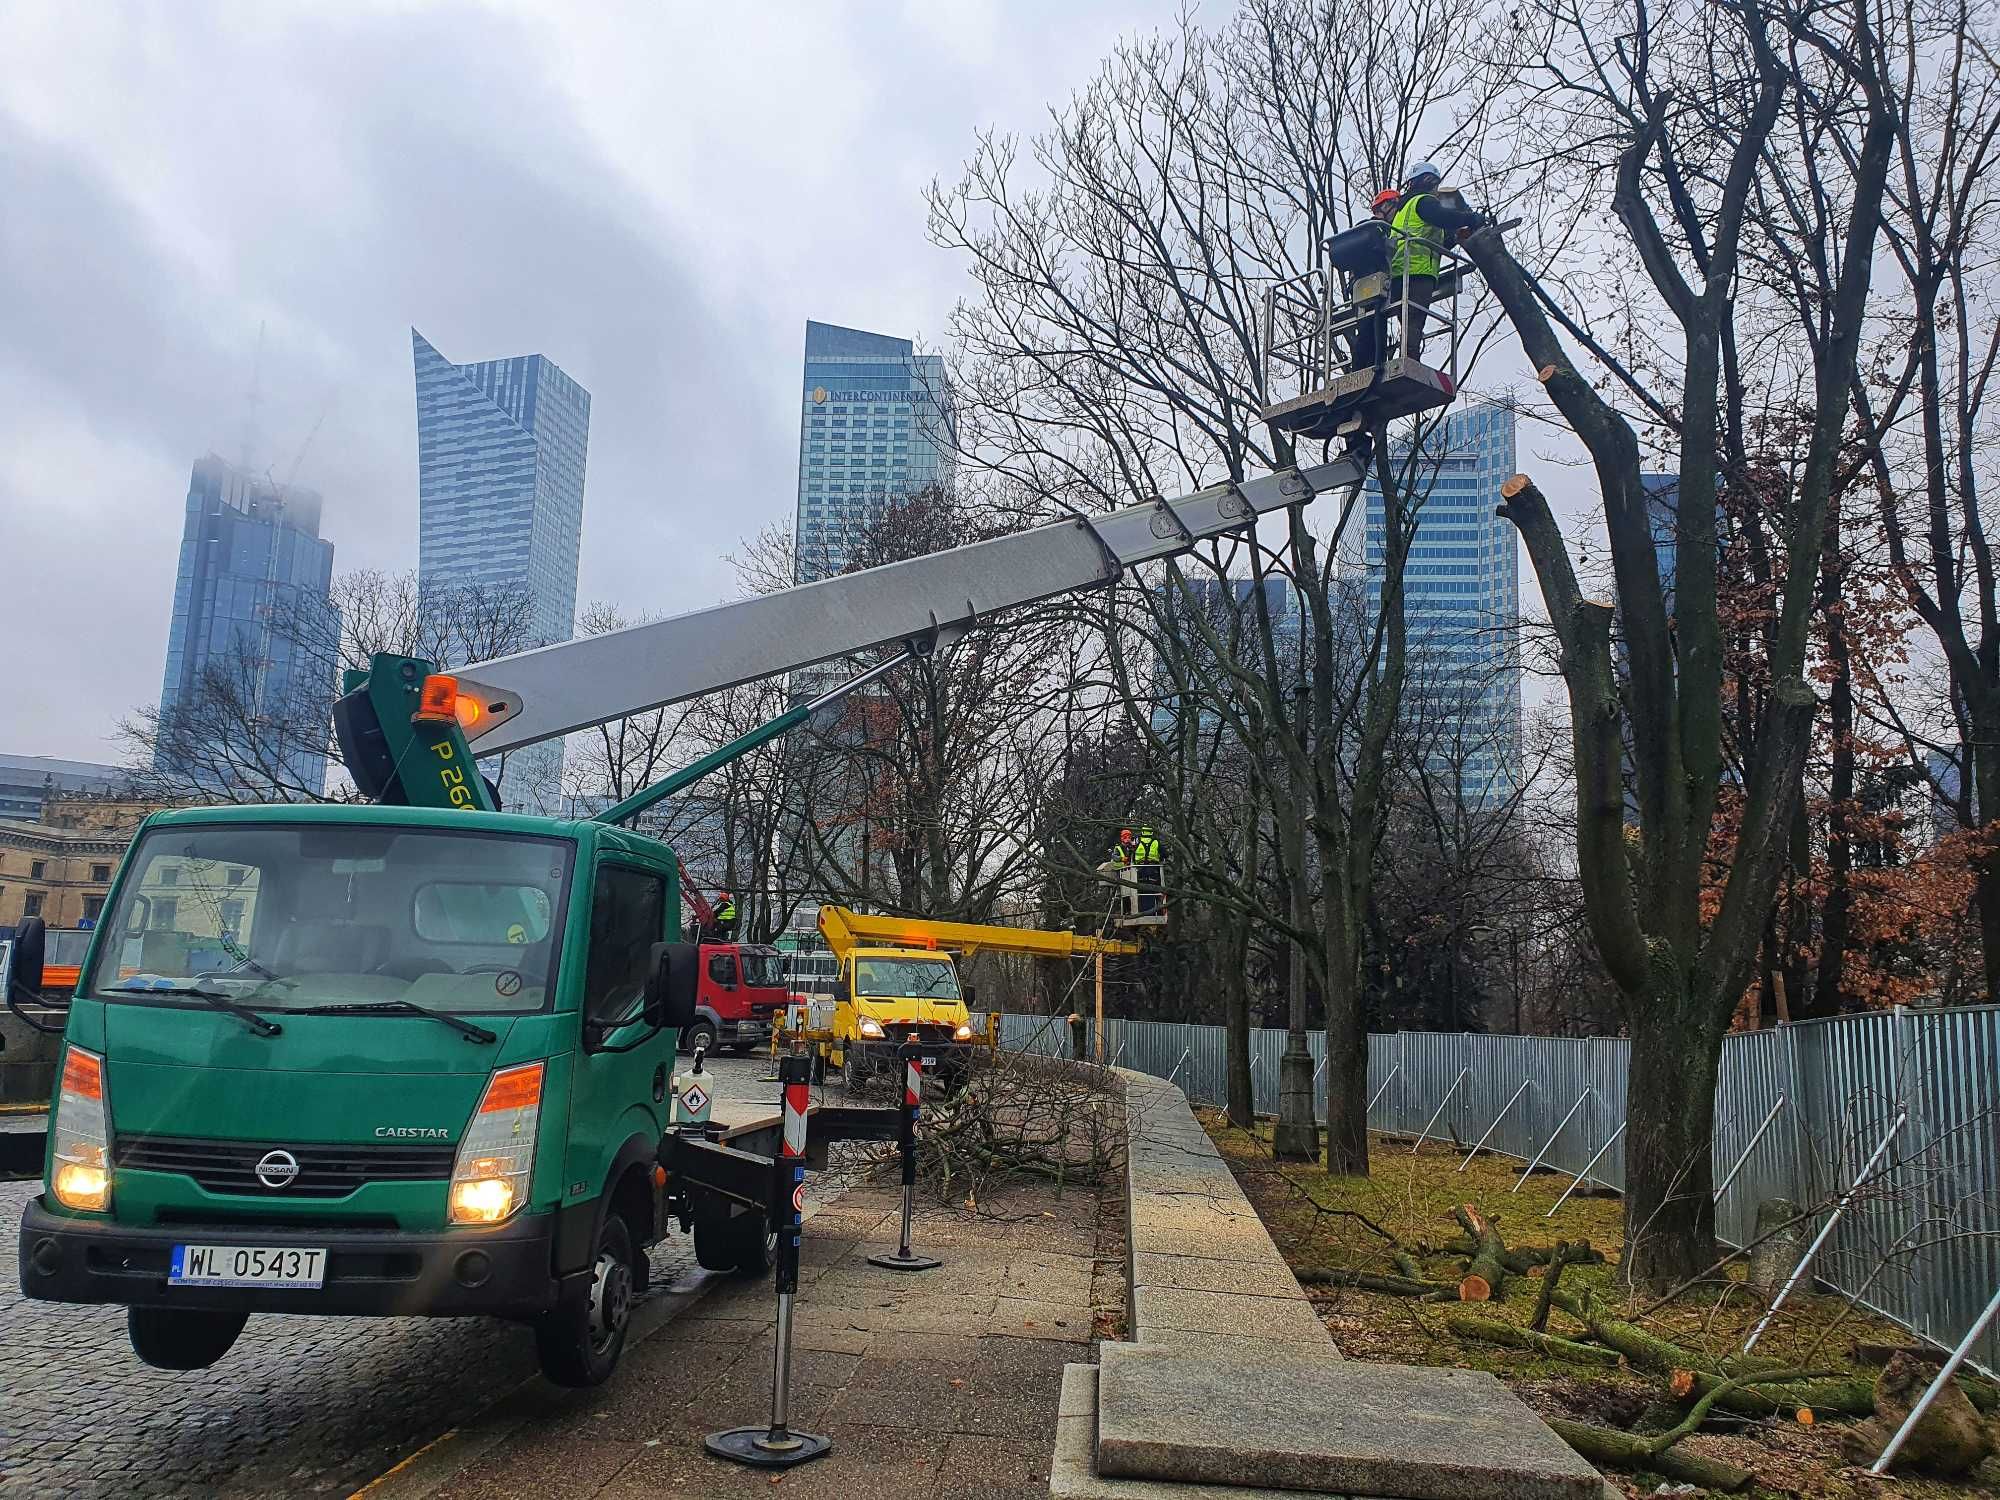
(414, 1055)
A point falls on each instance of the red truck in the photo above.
(742, 989)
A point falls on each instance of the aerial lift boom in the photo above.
(406, 737)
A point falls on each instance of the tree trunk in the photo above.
(1346, 1080)
(1670, 1094)
(1985, 768)
(1236, 1018)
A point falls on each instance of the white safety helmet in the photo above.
(1422, 169)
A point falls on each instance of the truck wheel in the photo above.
(181, 1338)
(854, 1072)
(701, 1034)
(744, 1243)
(579, 1343)
(819, 1067)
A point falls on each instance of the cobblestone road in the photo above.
(300, 1406)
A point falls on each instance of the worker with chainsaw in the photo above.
(1417, 234)
(1146, 857)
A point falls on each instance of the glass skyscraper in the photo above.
(500, 460)
(875, 425)
(1462, 594)
(253, 621)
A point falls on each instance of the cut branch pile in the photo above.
(1698, 1386)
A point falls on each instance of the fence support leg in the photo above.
(1375, 1098)
(1585, 1172)
(1462, 1075)
(1730, 1175)
(1881, 1465)
(1555, 1136)
(1185, 1055)
(1495, 1125)
(1825, 1232)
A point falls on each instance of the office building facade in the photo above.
(1462, 593)
(875, 426)
(253, 619)
(501, 450)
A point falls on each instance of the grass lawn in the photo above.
(1341, 1222)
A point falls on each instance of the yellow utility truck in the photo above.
(896, 977)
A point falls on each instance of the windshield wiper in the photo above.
(215, 998)
(459, 1024)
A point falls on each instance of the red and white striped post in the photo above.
(913, 1102)
(777, 1446)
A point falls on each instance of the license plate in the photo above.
(247, 1265)
(931, 1061)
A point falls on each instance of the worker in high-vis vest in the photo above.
(725, 917)
(1416, 244)
(1146, 859)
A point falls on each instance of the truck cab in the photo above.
(883, 997)
(742, 989)
(368, 1060)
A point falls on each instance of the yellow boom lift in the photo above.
(896, 976)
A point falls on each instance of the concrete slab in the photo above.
(1072, 1477)
(1321, 1424)
(1269, 1277)
(1285, 1319)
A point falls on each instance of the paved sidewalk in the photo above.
(932, 1384)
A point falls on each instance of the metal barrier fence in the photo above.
(1799, 1112)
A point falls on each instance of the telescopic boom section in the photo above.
(555, 690)
(846, 930)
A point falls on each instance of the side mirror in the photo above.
(24, 974)
(24, 977)
(671, 984)
(971, 998)
(842, 990)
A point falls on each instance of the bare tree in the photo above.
(1112, 352)
(1745, 165)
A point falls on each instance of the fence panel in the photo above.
(1920, 1240)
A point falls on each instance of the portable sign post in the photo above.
(777, 1446)
(913, 1102)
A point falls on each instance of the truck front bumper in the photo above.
(939, 1056)
(507, 1271)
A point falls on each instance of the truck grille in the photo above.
(324, 1171)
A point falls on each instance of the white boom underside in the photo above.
(556, 690)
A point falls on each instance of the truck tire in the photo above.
(744, 1244)
(854, 1072)
(700, 1034)
(579, 1343)
(181, 1338)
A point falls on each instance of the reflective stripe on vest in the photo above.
(1414, 245)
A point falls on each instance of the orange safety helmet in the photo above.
(1124, 835)
(1387, 195)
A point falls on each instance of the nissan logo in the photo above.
(276, 1169)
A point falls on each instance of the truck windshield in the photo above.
(906, 978)
(763, 970)
(292, 917)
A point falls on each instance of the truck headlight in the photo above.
(489, 1179)
(869, 1027)
(80, 1174)
(964, 1032)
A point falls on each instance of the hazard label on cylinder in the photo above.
(796, 1096)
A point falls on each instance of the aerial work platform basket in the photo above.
(1319, 376)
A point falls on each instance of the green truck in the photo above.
(415, 1055)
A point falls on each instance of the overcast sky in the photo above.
(656, 196)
